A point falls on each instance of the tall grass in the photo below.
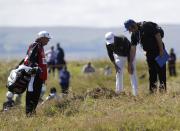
(81, 111)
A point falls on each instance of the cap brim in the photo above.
(47, 37)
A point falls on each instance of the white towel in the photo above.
(30, 86)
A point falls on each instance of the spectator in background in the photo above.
(60, 57)
(107, 70)
(88, 68)
(51, 57)
(172, 63)
(64, 79)
(52, 95)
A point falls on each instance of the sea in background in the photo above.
(79, 43)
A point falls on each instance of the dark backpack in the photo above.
(161, 31)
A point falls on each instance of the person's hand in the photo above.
(161, 53)
(130, 68)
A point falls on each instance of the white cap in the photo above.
(43, 34)
(109, 36)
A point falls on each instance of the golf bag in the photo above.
(20, 77)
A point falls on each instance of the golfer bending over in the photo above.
(118, 48)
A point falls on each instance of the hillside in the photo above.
(78, 42)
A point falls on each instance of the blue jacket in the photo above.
(64, 76)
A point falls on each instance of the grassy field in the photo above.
(92, 104)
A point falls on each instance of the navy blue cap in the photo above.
(129, 23)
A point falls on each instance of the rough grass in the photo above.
(92, 104)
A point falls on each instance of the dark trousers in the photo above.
(32, 98)
(156, 72)
(172, 70)
(64, 87)
(51, 66)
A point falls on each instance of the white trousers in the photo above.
(120, 62)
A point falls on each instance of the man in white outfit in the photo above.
(119, 48)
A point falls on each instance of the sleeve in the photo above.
(110, 53)
(134, 39)
(126, 40)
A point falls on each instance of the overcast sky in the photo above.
(93, 13)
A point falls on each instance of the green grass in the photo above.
(79, 111)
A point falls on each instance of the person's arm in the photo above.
(132, 53)
(160, 43)
(111, 57)
(131, 58)
(110, 53)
